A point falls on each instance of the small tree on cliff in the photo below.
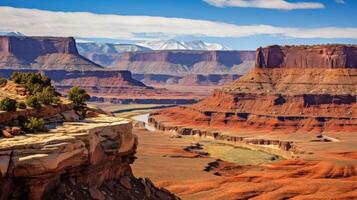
(78, 96)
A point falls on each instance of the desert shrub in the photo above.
(2, 82)
(33, 101)
(8, 104)
(78, 96)
(21, 105)
(35, 125)
(47, 96)
(31, 81)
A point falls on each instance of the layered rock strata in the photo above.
(89, 159)
(45, 53)
(109, 86)
(291, 89)
(179, 63)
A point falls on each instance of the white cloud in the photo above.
(90, 25)
(267, 4)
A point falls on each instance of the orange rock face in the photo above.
(293, 97)
(319, 56)
(298, 102)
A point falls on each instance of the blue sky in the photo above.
(238, 24)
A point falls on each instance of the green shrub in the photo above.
(31, 81)
(47, 96)
(78, 96)
(8, 104)
(33, 101)
(3, 82)
(35, 125)
(21, 105)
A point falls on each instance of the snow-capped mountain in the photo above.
(107, 48)
(178, 45)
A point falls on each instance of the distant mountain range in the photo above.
(85, 46)
(179, 45)
(148, 45)
(108, 48)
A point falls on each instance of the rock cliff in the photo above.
(318, 56)
(300, 88)
(172, 62)
(78, 160)
(45, 53)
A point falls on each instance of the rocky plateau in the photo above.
(43, 53)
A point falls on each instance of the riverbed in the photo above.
(225, 152)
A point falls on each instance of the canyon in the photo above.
(294, 98)
(77, 157)
(60, 60)
(298, 102)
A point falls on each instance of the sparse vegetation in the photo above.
(3, 82)
(33, 101)
(47, 96)
(21, 105)
(35, 125)
(8, 104)
(31, 81)
(78, 96)
(39, 86)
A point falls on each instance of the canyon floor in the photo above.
(324, 168)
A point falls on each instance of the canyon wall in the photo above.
(45, 53)
(282, 94)
(317, 56)
(178, 63)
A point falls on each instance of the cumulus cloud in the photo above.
(267, 4)
(90, 25)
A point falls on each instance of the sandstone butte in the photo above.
(45, 53)
(298, 102)
(75, 159)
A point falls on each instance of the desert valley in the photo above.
(120, 106)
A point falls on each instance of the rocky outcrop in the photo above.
(45, 53)
(172, 62)
(78, 160)
(318, 56)
(282, 94)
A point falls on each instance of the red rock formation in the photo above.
(319, 56)
(284, 94)
(42, 53)
(185, 62)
